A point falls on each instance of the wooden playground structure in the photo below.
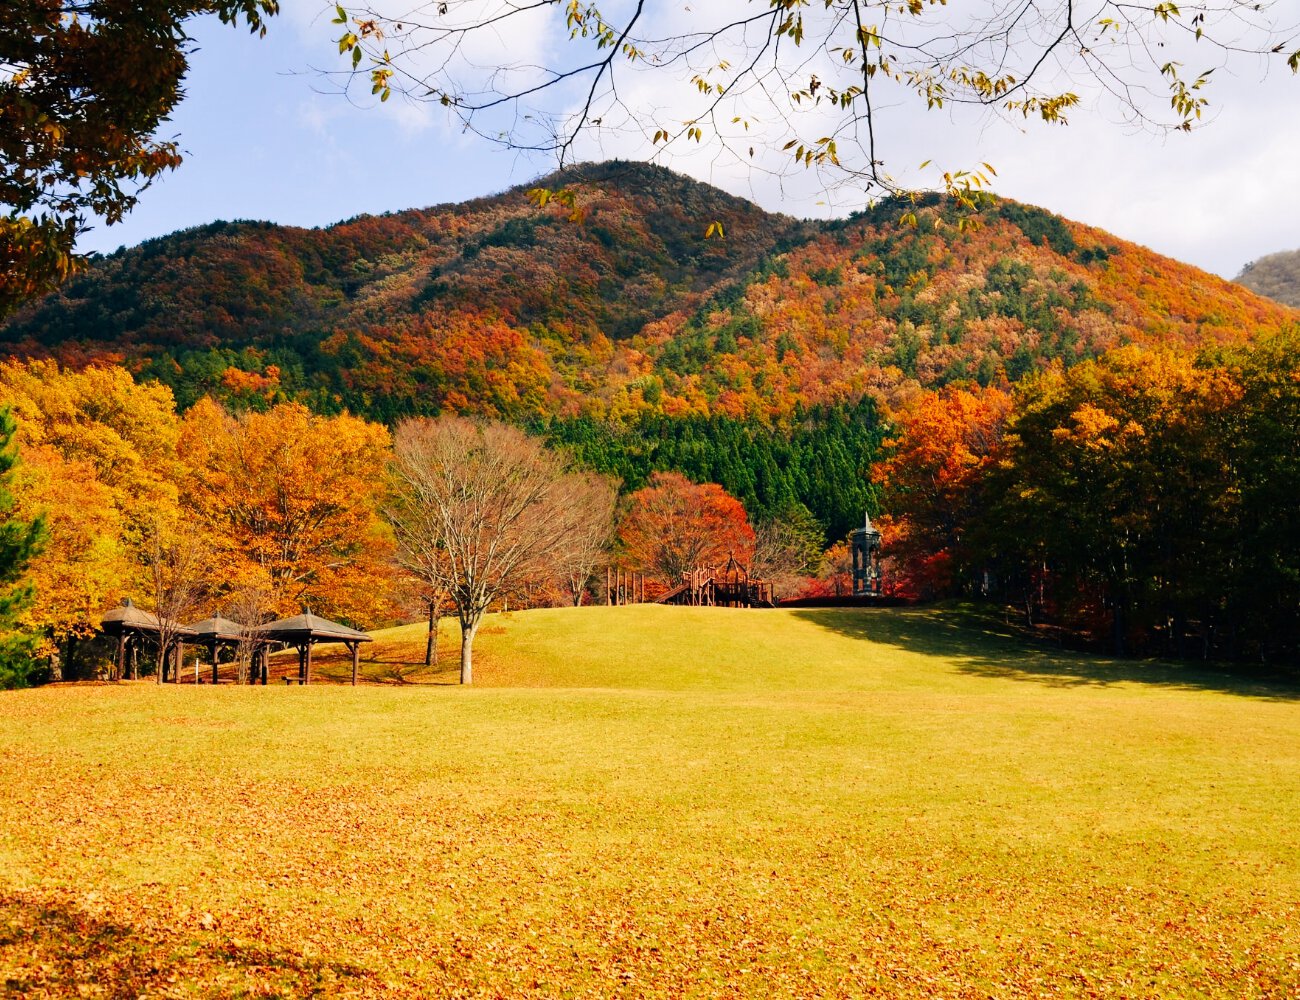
(730, 586)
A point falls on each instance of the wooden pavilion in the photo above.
(307, 630)
(219, 633)
(132, 627)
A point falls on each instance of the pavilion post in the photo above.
(356, 660)
(214, 662)
(121, 656)
(306, 674)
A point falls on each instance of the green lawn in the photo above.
(664, 802)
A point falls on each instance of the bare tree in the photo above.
(177, 557)
(251, 604)
(485, 503)
(587, 501)
(785, 85)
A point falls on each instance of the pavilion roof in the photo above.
(306, 626)
(129, 618)
(222, 629)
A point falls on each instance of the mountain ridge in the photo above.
(499, 307)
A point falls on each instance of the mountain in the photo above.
(1276, 276)
(497, 306)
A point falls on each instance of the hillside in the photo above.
(498, 307)
(1276, 276)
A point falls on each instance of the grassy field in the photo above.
(662, 802)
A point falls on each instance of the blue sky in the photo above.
(265, 139)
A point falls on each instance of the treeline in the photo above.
(262, 513)
(1148, 498)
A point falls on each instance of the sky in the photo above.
(266, 136)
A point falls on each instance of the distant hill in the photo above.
(1276, 276)
(496, 306)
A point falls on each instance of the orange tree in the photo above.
(293, 500)
(932, 483)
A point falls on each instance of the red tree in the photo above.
(674, 525)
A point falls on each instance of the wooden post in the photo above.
(214, 662)
(121, 656)
(306, 676)
(135, 660)
(356, 661)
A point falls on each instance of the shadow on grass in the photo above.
(51, 948)
(978, 644)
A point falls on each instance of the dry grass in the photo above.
(662, 802)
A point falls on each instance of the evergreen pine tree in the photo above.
(20, 542)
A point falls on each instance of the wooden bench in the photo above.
(291, 679)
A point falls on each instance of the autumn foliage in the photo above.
(497, 308)
(1143, 497)
(947, 444)
(282, 502)
(674, 526)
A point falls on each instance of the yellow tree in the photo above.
(85, 566)
(1117, 475)
(99, 462)
(292, 498)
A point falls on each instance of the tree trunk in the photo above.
(431, 645)
(467, 652)
(56, 663)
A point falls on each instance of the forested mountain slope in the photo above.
(497, 306)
